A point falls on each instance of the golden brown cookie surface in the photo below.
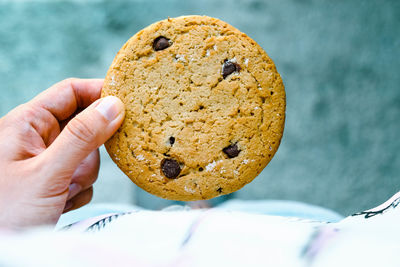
(205, 108)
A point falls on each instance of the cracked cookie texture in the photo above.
(205, 108)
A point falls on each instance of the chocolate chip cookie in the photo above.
(205, 108)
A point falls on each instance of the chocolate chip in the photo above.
(170, 168)
(219, 190)
(172, 140)
(231, 151)
(160, 43)
(229, 67)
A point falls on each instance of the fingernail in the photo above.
(74, 189)
(68, 205)
(109, 107)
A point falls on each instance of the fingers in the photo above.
(82, 135)
(63, 98)
(29, 130)
(79, 200)
(55, 104)
(85, 175)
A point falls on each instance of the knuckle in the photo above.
(23, 111)
(21, 116)
(68, 81)
(27, 112)
(80, 130)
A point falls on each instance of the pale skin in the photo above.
(49, 155)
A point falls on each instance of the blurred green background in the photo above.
(339, 60)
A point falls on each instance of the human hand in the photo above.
(49, 157)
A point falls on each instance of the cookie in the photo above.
(205, 108)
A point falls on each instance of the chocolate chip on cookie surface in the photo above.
(160, 43)
(231, 151)
(229, 67)
(170, 168)
(205, 108)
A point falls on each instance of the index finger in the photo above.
(65, 97)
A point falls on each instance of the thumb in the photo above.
(86, 132)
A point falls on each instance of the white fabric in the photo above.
(211, 238)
